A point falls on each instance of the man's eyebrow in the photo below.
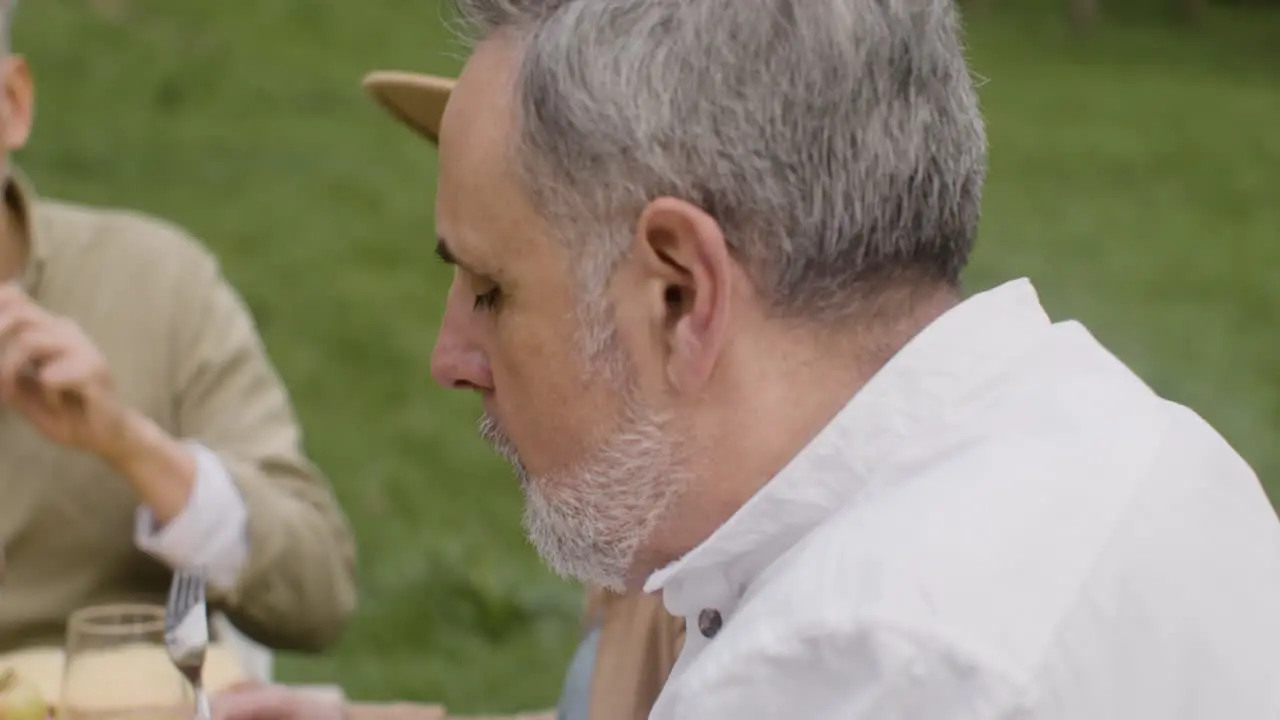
(445, 253)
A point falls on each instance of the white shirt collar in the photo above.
(922, 385)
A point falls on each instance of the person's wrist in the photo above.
(160, 468)
(135, 442)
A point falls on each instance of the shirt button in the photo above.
(709, 622)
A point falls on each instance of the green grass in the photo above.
(1134, 178)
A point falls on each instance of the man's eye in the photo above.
(488, 300)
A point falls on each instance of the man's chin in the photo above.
(569, 546)
(592, 520)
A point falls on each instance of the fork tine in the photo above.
(171, 607)
(193, 599)
(197, 588)
(184, 593)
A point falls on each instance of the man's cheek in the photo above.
(521, 356)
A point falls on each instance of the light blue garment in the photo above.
(575, 697)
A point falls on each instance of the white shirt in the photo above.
(210, 532)
(1005, 523)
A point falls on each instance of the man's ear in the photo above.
(690, 275)
(18, 110)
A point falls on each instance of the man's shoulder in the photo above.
(997, 547)
(983, 557)
(111, 237)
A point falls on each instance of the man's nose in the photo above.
(456, 365)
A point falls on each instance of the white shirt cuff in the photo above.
(210, 532)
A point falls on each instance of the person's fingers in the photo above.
(29, 337)
(82, 364)
(22, 355)
(16, 319)
(55, 358)
(263, 702)
(67, 373)
(19, 313)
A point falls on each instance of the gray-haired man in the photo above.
(708, 261)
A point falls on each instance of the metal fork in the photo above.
(186, 632)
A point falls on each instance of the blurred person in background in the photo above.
(142, 426)
(708, 259)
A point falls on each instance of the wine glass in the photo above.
(117, 667)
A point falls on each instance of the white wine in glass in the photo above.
(117, 667)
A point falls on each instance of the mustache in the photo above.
(492, 433)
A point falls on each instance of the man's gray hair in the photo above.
(838, 143)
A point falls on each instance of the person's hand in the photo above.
(275, 702)
(56, 378)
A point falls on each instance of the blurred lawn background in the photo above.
(1135, 177)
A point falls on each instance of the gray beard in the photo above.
(590, 520)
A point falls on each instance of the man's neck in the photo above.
(783, 402)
